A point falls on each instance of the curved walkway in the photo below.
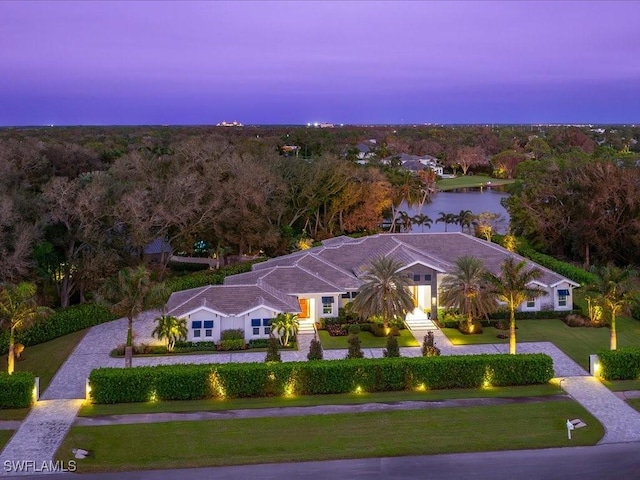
(43, 430)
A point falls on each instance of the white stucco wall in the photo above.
(569, 303)
(261, 313)
(550, 300)
(203, 315)
(221, 323)
(316, 308)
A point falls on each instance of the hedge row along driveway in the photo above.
(191, 382)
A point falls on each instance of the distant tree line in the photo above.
(78, 204)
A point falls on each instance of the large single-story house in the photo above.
(315, 283)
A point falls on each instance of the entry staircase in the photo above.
(419, 320)
(306, 326)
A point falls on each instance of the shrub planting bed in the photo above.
(190, 382)
(232, 345)
(621, 364)
(16, 391)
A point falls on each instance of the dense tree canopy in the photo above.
(584, 210)
(79, 204)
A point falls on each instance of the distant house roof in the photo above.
(157, 246)
(363, 148)
(412, 162)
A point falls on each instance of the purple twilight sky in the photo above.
(366, 62)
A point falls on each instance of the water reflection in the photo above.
(476, 200)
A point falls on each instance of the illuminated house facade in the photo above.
(315, 283)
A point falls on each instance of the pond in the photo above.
(453, 201)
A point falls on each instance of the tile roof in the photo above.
(290, 280)
(229, 300)
(335, 267)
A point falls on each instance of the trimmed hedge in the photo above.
(209, 277)
(62, 322)
(541, 315)
(621, 364)
(16, 391)
(79, 317)
(190, 382)
(568, 270)
(503, 316)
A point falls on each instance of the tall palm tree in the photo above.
(406, 188)
(286, 325)
(19, 309)
(467, 289)
(385, 291)
(422, 220)
(446, 218)
(513, 286)
(465, 218)
(614, 285)
(170, 329)
(405, 221)
(129, 294)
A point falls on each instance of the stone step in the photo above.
(421, 325)
(306, 327)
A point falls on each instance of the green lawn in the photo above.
(367, 339)
(469, 181)
(90, 410)
(325, 437)
(635, 403)
(5, 435)
(45, 359)
(622, 385)
(577, 342)
(14, 413)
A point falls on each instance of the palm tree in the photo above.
(422, 220)
(614, 286)
(406, 188)
(446, 218)
(405, 221)
(385, 291)
(129, 294)
(170, 329)
(467, 289)
(286, 325)
(465, 218)
(19, 309)
(513, 287)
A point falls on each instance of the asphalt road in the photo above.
(620, 461)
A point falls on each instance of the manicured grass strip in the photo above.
(406, 339)
(577, 342)
(326, 437)
(621, 385)
(14, 413)
(5, 435)
(44, 359)
(635, 403)
(91, 410)
(470, 181)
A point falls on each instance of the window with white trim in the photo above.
(196, 326)
(261, 326)
(327, 305)
(531, 303)
(562, 297)
(208, 328)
